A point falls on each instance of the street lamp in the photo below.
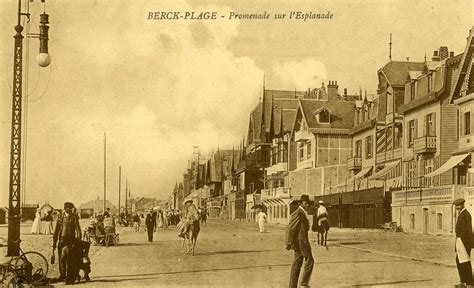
(14, 208)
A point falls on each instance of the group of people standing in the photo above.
(43, 224)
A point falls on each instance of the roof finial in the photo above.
(425, 56)
(390, 47)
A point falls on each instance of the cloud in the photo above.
(298, 75)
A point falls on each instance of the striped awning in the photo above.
(388, 167)
(361, 174)
(453, 161)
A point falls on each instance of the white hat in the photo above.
(320, 201)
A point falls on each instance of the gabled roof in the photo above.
(396, 71)
(341, 113)
(465, 65)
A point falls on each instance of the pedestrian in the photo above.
(48, 223)
(261, 219)
(136, 222)
(150, 224)
(66, 232)
(36, 227)
(464, 243)
(297, 240)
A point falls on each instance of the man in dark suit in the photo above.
(150, 224)
(297, 239)
(66, 233)
(464, 243)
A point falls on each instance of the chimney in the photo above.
(443, 52)
(435, 56)
(345, 93)
(332, 90)
(451, 54)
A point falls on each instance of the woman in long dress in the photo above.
(48, 223)
(261, 219)
(36, 227)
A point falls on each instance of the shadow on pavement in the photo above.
(392, 282)
(119, 278)
(234, 252)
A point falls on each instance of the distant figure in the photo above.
(464, 243)
(48, 223)
(107, 213)
(136, 222)
(150, 224)
(297, 240)
(36, 227)
(261, 219)
(204, 216)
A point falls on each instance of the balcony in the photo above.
(280, 192)
(354, 163)
(440, 194)
(279, 167)
(302, 135)
(425, 144)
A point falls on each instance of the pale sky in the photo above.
(157, 88)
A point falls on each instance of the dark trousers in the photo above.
(296, 267)
(149, 230)
(67, 261)
(465, 271)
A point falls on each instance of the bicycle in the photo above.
(28, 268)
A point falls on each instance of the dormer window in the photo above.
(323, 115)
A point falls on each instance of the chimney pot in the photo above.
(451, 54)
(435, 53)
(345, 91)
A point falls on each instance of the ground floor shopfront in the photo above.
(368, 208)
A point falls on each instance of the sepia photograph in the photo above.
(194, 143)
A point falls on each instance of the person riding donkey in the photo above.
(191, 215)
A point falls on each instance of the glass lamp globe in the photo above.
(43, 59)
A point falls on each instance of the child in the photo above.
(84, 261)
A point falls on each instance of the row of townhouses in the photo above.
(400, 155)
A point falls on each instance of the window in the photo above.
(428, 169)
(308, 147)
(461, 174)
(358, 149)
(430, 125)
(398, 135)
(412, 221)
(411, 132)
(323, 116)
(301, 151)
(411, 174)
(412, 90)
(368, 147)
(430, 82)
(284, 151)
(439, 221)
(467, 123)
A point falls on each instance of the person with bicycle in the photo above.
(66, 233)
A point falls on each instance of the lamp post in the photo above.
(14, 208)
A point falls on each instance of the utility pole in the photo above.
(126, 191)
(14, 197)
(105, 171)
(120, 183)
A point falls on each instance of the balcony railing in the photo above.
(280, 192)
(354, 163)
(278, 167)
(441, 194)
(425, 144)
(302, 135)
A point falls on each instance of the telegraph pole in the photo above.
(14, 197)
(105, 171)
(120, 183)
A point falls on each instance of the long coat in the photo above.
(464, 229)
(297, 231)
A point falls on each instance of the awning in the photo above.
(453, 161)
(388, 167)
(361, 174)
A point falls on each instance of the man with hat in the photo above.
(150, 224)
(66, 232)
(297, 239)
(191, 214)
(464, 243)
